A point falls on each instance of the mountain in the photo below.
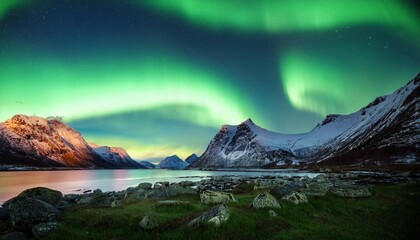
(191, 159)
(386, 131)
(39, 142)
(172, 162)
(147, 164)
(115, 156)
(36, 141)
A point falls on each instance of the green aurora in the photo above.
(160, 77)
(273, 16)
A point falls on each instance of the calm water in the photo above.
(77, 181)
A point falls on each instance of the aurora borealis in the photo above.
(160, 77)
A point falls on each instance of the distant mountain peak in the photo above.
(116, 156)
(192, 158)
(173, 162)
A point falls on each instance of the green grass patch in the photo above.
(391, 213)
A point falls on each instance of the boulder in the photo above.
(351, 192)
(15, 236)
(186, 183)
(148, 222)
(44, 229)
(265, 200)
(117, 204)
(63, 205)
(104, 201)
(97, 192)
(169, 191)
(47, 195)
(212, 197)
(185, 190)
(272, 213)
(85, 200)
(280, 191)
(145, 186)
(135, 197)
(243, 187)
(72, 198)
(215, 216)
(317, 189)
(296, 198)
(26, 212)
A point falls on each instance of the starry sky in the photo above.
(160, 77)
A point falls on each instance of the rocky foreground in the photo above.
(37, 212)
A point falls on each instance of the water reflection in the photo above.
(12, 183)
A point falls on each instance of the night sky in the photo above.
(160, 77)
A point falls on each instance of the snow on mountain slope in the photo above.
(388, 122)
(191, 159)
(36, 141)
(172, 162)
(115, 156)
(147, 164)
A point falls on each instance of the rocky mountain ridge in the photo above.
(36, 141)
(385, 131)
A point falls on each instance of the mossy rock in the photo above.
(243, 187)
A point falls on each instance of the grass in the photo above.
(392, 212)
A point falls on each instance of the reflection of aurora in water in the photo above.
(110, 180)
(160, 77)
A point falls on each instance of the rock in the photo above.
(145, 186)
(26, 212)
(63, 204)
(148, 222)
(47, 195)
(44, 229)
(104, 201)
(169, 191)
(130, 190)
(243, 187)
(72, 198)
(186, 183)
(358, 192)
(265, 184)
(85, 200)
(281, 191)
(4, 213)
(272, 213)
(187, 190)
(215, 216)
(117, 204)
(135, 197)
(265, 200)
(15, 236)
(316, 189)
(97, 192)
(296, 198)
(212, 197)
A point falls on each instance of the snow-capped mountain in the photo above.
(173, 162)
(147, 164)
(192, 158)
(386, 130)
(115, 156)
(36, 141)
